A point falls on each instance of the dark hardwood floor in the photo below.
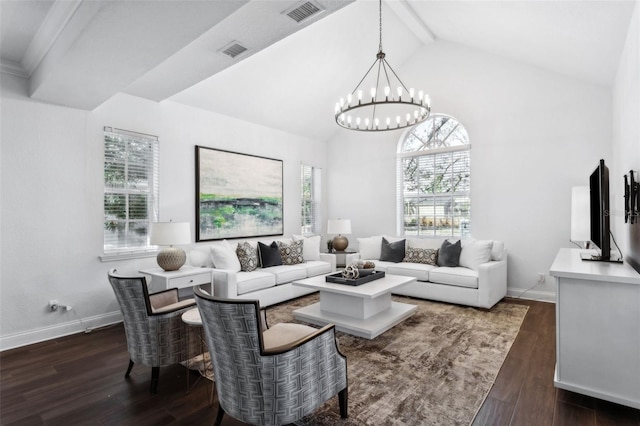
(79, 380)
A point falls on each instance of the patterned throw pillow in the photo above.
(416, 255)
(291, 253)
(248, 257)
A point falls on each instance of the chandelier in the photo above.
(387, 105)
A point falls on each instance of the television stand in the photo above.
(585, 255)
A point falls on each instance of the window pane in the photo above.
(131, 189)
(434, 192)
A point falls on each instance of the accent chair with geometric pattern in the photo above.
(156, 335)
(269, 375)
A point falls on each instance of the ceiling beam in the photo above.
(417, 26)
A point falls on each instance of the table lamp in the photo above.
(339, 226)
(167, 234)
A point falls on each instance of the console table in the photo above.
(186, 276)
(597, 328)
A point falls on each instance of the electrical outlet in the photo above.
(541, 278)
(53, 305)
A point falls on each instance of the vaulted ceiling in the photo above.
(80, 53)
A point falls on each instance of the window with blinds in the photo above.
(434, 179)
(310, 188)
(130, 190)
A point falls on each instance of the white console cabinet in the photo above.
(597, 328)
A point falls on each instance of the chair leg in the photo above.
(155, 374)
(220, 415)
(129, 369)
(343, 398)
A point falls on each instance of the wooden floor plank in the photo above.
(79, 379)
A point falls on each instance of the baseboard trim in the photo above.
(523, 293)
(83, 325)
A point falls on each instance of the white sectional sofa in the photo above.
(269, 285)
(479, 280)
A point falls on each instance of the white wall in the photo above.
(626, 131)
(51, 195)
(534, 135)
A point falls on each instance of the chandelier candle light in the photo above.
(167, 234)
(388, 105)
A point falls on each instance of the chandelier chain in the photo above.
(380, 11)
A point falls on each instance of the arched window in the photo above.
(434, 179)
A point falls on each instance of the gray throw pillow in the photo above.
(392, 252)
(449, 254)
(269, 255)
(248, 257)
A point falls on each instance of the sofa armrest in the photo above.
(331, 258)
(225, 283)
(492, 282)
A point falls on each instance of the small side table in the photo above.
(194, 321)
(187, 276)
(341, 257)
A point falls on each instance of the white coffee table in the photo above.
(365, 310)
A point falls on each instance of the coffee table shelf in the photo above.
(365, 311)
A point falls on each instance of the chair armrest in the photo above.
(163, 298)
(299, 342)
(331, 258)
(225, 283)
(187, 303)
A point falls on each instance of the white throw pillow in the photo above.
(475, 253)
(198, 258)
(310, 246)
(370, 248)
(224, 256)
(496, 250)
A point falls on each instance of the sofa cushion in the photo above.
(370, 248)
(474, 253)
(269, 254)
(310, 246)
(424, 243)
(254, 280)
(283, 334)
(416, 255)
(381, 265)
(392, 252)
(449, 254)
(459, 276)
(317, 267)
(418, 270)
(287, 273)
(291, 253)
(248, 257)
(223, 255)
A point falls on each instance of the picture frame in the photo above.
(237, 195)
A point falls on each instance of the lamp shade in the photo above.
(170, 233)
(339, 226)
(580, 218)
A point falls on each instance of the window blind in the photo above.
(130, 190)
(434, 179)
(311, 193)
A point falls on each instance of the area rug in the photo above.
(435, 368)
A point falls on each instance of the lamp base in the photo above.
(171, 258)
(340, 243)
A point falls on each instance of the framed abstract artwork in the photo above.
(237, 195)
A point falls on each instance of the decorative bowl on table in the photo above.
(363, 272)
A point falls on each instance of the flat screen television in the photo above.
(600, 217)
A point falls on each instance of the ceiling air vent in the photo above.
(304, 11)
(233, 49)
